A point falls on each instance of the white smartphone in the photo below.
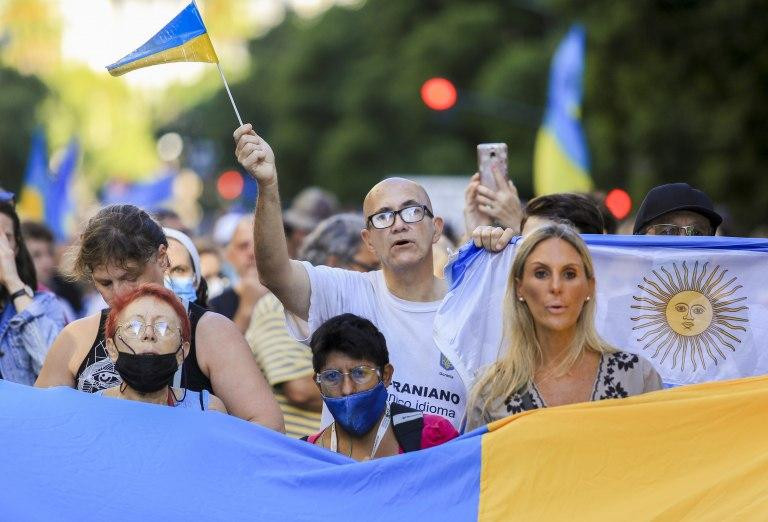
(491, 157)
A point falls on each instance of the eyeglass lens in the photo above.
(386, 219)
(359, 374)
(136, 328)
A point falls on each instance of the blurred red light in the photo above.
(438, 94)
(230, 184)
(619, 203)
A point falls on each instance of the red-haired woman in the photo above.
(147, 337)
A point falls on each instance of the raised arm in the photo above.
(286, 278)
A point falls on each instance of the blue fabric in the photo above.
(468, 252)
(26, 338)
(564, 98)
(148, 195)
(78, 456)
(5, 317)
(60, 207)
(187, 25)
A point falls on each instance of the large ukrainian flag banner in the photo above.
(692, 453)
(183, 39)
(561, 158)
(695, 307)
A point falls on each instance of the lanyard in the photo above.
(383, 426)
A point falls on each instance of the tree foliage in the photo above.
(20, 100)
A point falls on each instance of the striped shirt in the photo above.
(282, 359)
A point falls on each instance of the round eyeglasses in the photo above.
(332, 380)
(411, 214)
(677, 230)
(135, 329)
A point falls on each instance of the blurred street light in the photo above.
(438, 94)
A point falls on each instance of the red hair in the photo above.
(147, 290)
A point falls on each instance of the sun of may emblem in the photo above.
(693, 315)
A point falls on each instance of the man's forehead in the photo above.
(243, 231)
(682, 218)
(393, 193)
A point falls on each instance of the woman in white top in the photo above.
(553, 354)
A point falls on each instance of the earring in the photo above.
(589, 297)
(520, 298)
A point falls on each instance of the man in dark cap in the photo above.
(676, 209)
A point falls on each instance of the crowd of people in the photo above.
(319, 323)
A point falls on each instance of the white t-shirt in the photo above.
(424, 377)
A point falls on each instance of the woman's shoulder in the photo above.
(623, 360)
(625, 367)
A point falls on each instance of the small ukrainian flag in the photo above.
(183, 39)
(561, 157)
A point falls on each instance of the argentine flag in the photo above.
(695, 307)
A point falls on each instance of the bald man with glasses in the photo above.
(401, 299)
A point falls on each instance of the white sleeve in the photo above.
(333, 291)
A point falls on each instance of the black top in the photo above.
(225, 303)
(97, 371)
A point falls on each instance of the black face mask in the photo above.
(148, 372)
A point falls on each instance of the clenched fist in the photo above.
(255, 155)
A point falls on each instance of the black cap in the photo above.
(671, 197)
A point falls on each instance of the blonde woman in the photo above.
(554, 355)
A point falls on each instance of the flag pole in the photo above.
(231, 99)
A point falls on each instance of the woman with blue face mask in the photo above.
(352, 371)
(184, 277)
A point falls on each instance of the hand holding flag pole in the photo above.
(183, 39)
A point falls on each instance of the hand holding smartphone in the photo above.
(492, 164)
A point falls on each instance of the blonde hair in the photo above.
(516, 367)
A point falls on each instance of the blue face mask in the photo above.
(183, 287)
(357, 413)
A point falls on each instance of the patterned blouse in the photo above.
(619, 375)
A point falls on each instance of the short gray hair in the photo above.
(338, 235)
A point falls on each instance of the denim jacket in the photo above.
(26, 338)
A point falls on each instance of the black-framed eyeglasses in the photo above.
(135, 329)
(361, 375)
(668, 229)
(410, 214)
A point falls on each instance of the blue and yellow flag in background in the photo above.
(183, 39)
(60, 208)
(46, 197)
(690, 453)
(37, 181)
(561, 158)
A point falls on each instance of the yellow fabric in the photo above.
(198, 49)
(31, 205)
(553, 171)
(692, 453)
(281, 359)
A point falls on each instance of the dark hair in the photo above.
(610, 223)
(352, 336)
(118, 234)
(24, 265)
(202, 293)
(147, 290)
(578, 210)
(36, 231)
